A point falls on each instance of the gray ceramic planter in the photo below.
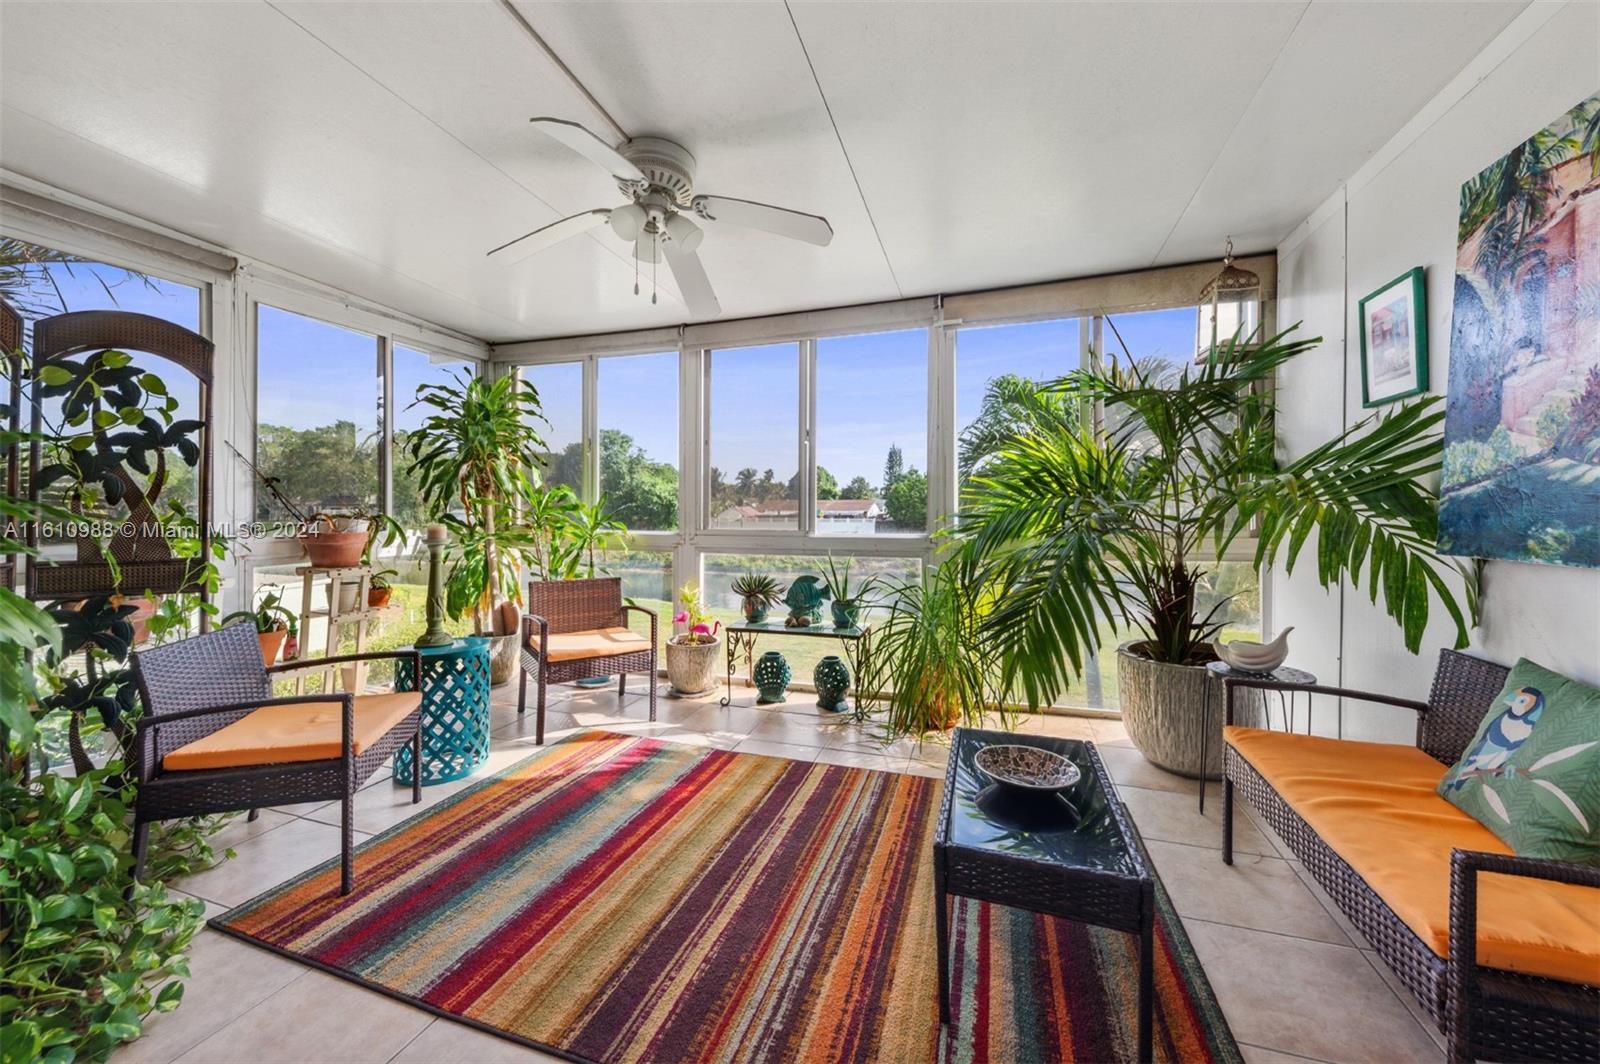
(1162, 706)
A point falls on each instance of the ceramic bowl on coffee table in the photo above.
(1026, 768)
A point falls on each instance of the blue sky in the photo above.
(871, 389)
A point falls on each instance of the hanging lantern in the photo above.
(1230, 307)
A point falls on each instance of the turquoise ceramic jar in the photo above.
(771, 677)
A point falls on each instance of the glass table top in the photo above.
(777, 626)
(1076, 827)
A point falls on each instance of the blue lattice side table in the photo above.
(455, 710)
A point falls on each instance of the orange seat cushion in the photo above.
(1374, 804)
(300, 731)
(596, 643)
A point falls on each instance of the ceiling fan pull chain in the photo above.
(655, 256)
(636, 275)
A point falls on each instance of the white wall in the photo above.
(1398, 213)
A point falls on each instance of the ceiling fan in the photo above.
(657, 178)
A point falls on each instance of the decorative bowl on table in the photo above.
(1026, 768)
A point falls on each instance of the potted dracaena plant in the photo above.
(758, 593)
(470, 460)
(692, 653)
(1072, 527)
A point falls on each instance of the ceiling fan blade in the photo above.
(546, 236)
(590, 147)
(812, 228)
(692, 281)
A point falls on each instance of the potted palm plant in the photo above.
(692, 654)
(758, 593)
(928, 667)
(1073, 527)
(470, 460)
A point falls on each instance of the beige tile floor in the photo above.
(1291, 974)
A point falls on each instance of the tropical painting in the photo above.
(1522, 428)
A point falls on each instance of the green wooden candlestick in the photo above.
(435, 634)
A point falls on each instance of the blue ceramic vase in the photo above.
(771, 676)
(832, 680)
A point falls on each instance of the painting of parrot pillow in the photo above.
(1531, 774)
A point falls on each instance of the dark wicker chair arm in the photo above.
(340, 659)
(530, 622)
(648, 613)
(1232, 683)
(1465, 865)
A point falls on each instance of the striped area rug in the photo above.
(617, 898)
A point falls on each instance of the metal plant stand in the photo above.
(855, 643)
(455, 710)
(1286, 706)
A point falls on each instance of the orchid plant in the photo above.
(702, 627)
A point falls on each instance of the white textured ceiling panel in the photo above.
(383, 148)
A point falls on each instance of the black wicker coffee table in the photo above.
(1072, 855)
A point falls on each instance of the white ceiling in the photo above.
(384, 148)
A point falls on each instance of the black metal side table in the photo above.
(1075, 855)
(1221, 670)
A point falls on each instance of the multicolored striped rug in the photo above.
(617, 898)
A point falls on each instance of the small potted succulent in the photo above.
(847, 601)
(692, 655)
(759, 593)
(379, 589)
(272, 620)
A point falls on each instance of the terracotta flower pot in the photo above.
(378, 597)
(333, 550)
(271, 643)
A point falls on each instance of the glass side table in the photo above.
(455, 710)
(1286, 706)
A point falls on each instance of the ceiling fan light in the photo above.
(627, 221)
(684, 233)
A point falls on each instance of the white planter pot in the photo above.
(1162, 709)
(692, 667)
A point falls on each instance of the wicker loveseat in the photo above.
(1502, 951)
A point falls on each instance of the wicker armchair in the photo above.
(578, 629)
(1483, 1012)
(196, 693)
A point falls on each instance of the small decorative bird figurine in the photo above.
(1502, 737)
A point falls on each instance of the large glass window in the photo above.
(412, 370)
(995, 363)
(317, 411)
(1160, 342)
(638, 396)
(872, 433)
(755, 409)
(560, 388)
(41, 282)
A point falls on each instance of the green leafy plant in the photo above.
(929, 667)
(269, 615)
(87, 954)
(383, 578)
(836, 578)
(1067, 524)
(761, 589)
(701, 626)
(470, 461)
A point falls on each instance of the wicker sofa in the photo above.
(1516, 977)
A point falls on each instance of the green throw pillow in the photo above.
(1531, 774)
